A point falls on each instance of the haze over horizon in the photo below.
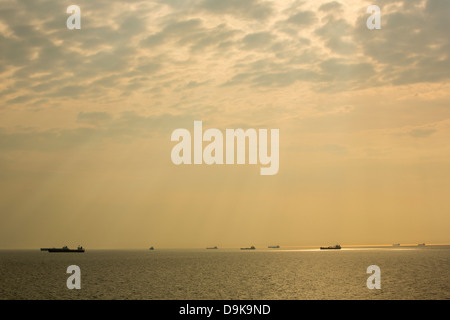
(86, 118)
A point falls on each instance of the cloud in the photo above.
(191, 33)
(335, 35)
(49, 140)
(331, 6)
(421, 133)
(258, 40)
(302, 18)
(21, 99)
(343, 70)
(102, 127)
(413, 44)
(264, 73)
(93, 117)
(254, 9)
(153, 49)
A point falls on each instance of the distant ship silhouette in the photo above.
(215, 247)
(63, 249)
(251, 248)
(336, 247)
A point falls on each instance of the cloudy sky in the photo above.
(86, 117)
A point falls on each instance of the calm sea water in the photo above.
(406, 273)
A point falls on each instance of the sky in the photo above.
(86, 118)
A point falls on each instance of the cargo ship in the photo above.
(274, 247)
(336, 247)
(251, 248)
(210, 248)
(63, 249)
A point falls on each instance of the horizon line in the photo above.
(265, 247)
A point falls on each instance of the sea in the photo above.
(412, 273)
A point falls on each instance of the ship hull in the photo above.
(68, 251)
(336, 247)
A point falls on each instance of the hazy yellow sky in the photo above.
(86, 118)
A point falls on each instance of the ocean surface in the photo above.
(280, 274)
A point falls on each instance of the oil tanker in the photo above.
(336, 247)
(63, 249)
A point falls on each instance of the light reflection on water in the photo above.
(291, 273)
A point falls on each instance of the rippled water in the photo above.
(406, 273)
